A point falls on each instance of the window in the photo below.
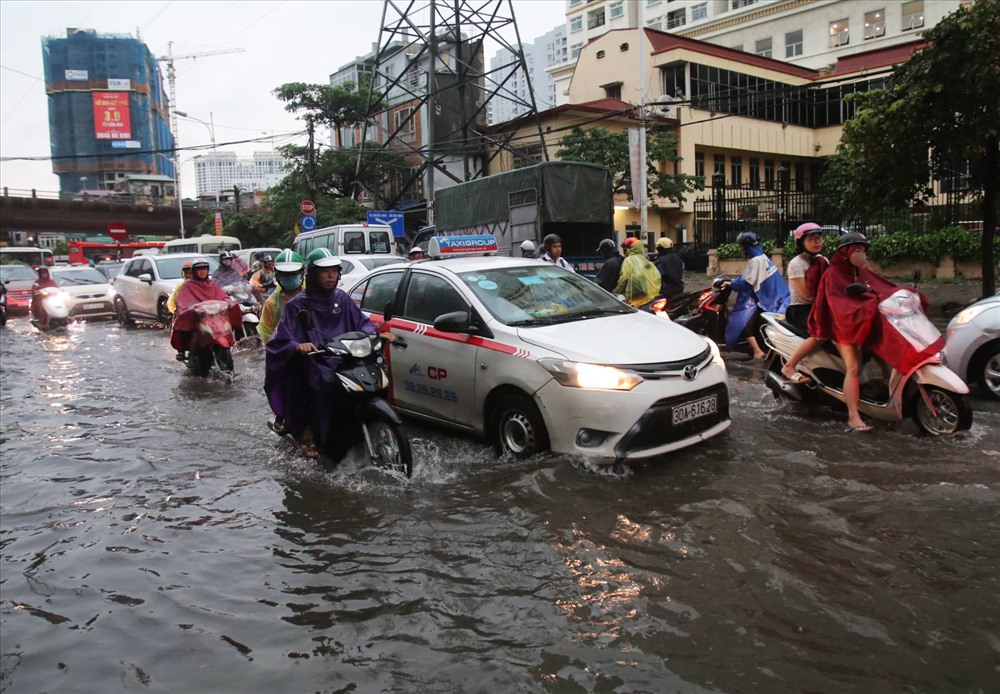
(793, 43)
(574, 50)
(676, 18)
(699, 11)
(613, 91)
(600, 54)
(769, 174)
(839, 33)
(374, 294)
(874, 24)
(406, 123)
(738, 47)
(616, 9)
(913, 14)
(754, 172)
(699, 164)
(576, 23)
(762, 47)
(428, 297)
(737, 4)
(719, 164)
(736, 170)
(595, 20)
(655, 23)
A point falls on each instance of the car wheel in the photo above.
(952, 412)
(987, 372)
(121, 313)
(163, 313)
(517, 428)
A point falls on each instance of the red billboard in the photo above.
(111, 117)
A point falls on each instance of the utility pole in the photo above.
(643, 187)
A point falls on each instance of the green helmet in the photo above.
(288, 261)
(322, 257)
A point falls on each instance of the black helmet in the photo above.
(851, 238)
(550, 241)
(747, 239)
(607, 245)
(226, 254)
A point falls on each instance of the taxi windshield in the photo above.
(540, 294)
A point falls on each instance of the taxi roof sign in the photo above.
(459, 246)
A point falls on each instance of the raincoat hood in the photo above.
(639, 280)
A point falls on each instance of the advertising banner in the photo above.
(119, 83)
(111, 116)
(634, 164)
(218, 222)
(77, 75)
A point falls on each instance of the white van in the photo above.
(202, 244)
(248, 256)
(347, 239)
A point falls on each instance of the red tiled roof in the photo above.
(880, 57)
(663, 42)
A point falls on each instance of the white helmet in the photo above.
(528, 245)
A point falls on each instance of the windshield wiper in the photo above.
(531, 322)
(590, 313)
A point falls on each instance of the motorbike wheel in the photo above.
(203, 362)
(224, 359)
(163, 314)
(3, 318)
(517, 428)
(121, 313)
(390, 446)
(953, 412)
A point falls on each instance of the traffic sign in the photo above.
(307, 222)
(307, 207)
(118, 231)
(392, 218)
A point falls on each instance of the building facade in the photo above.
(108, 110)
(544, 52)
(218, 172)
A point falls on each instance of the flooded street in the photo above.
(157, 537)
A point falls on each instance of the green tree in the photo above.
(599, 146)
(939, 115)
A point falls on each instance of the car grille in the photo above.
(655, 427)
(667, 369)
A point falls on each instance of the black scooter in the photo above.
(705, 311)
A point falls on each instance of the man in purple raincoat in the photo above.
(304, 392)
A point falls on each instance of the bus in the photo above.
(204, 244)
(84, 251)
(29, 255)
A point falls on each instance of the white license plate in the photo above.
(93, 307)
(694, 410)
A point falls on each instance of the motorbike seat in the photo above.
(795, 330)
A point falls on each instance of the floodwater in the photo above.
(156, 537)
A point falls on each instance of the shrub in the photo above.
(731, 251)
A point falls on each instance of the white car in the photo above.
(144, 284)
(972, 347)
(356, 265)
(87, 292)
(536, 357)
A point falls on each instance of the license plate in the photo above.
(694, 410)
(93, 307)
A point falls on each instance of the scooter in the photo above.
(243, 294)
(362, 373)
(55, 311)
(930, 393)
(705, 311)
(212, 339)
(3, 306)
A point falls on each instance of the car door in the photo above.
(145, 301)
(433, 372)
(127, 286)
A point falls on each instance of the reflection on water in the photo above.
(155, 535)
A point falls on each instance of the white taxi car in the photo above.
(535, 357)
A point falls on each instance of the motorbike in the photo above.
(371, 419)
(705, 311)
(929, 392)
(212, 339)
(55, 311)
(3, 307)
(244, 295)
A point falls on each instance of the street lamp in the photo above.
(215, 155)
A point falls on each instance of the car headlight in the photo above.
(590, 376)
(716, 354)
(968, 314)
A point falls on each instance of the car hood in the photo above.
(636, 338)
(78, 290)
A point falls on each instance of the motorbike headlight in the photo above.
(968, 314)
(359, 348)
(590, 376)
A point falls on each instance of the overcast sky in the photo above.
(283, 41)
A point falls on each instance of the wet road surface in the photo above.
(156, 537)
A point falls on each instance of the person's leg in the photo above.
(750, 333)
(852, 370)
(807, 347)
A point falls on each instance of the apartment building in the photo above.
(539, 55)
(218, 172)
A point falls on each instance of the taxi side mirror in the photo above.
(387, 312)
(454, 322)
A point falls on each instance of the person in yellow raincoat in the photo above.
(639, 281)
(185, 276)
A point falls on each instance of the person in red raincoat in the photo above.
(194, 291)
(44, 281)
(853, 322)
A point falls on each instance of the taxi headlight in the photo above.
(590, 376)
(968, 314)
(716, 354)
(360, 348)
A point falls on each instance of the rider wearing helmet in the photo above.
(759, 287)
(607, 276)
(289, 271)
(417, 253)
(228, 273)
(263, 280)
(671, 267)
(194, 291)
(639, 281)
(527, 248)
(303, 391)
(553, 252)
(804, 272)
(185, 276)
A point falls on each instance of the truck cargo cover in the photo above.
(566, 192)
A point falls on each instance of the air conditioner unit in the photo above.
(667, 99)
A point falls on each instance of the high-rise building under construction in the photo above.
(108, 111)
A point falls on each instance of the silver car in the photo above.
(144, 284)
(972, 347)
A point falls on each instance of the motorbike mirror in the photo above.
(855, 289)
(305, 319)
